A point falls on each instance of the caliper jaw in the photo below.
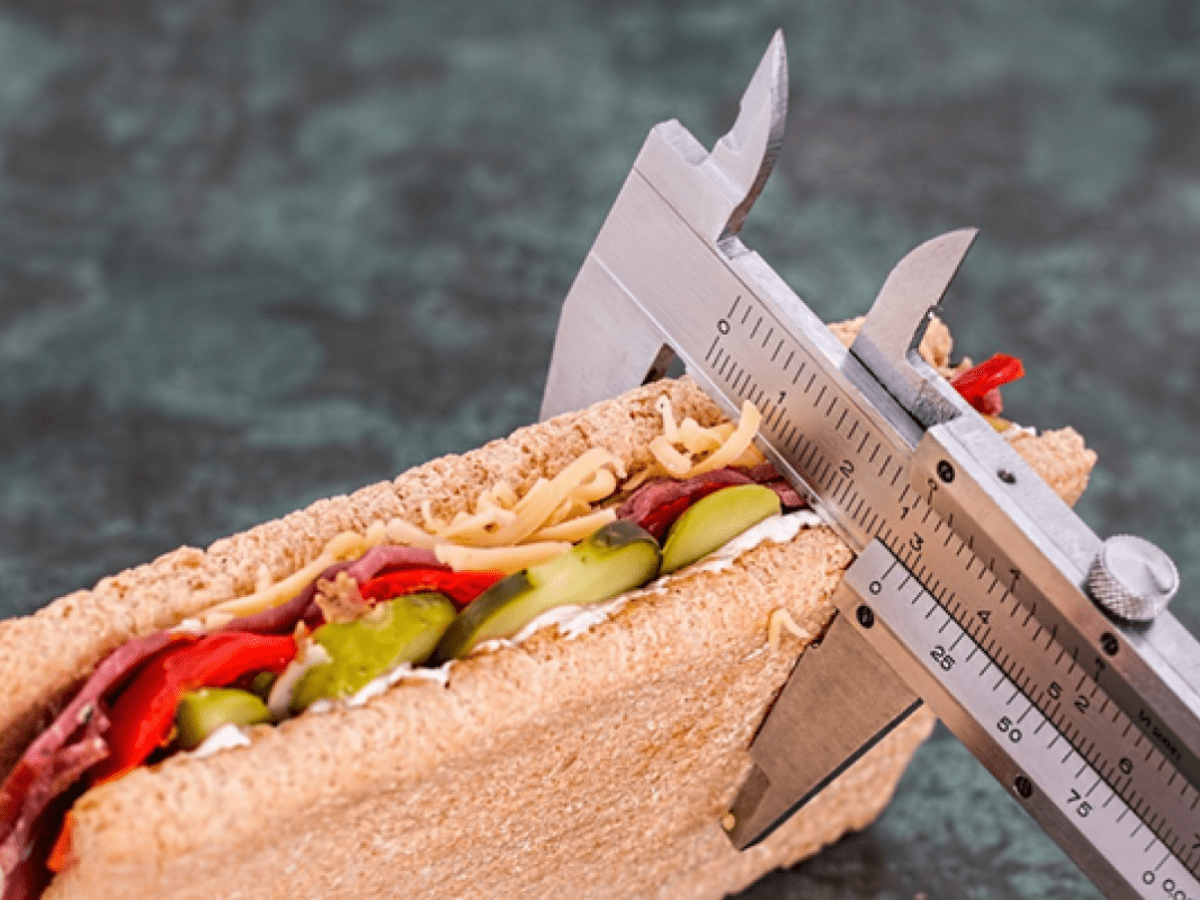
(841, 700)
(887, 343)
(606, 342)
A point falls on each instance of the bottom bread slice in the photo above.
(594, 765)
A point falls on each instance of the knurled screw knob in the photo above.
(1132, 578)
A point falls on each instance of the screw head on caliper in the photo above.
(1132, 578)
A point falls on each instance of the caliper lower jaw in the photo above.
(840, 701)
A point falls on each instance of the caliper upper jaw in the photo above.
(723, 185)
(607, 343)
(887, 343)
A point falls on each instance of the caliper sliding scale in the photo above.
(1036, 643)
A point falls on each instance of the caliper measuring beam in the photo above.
(976, 590)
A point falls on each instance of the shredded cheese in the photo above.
(652, 471)
(549, 495)
(502, 494)
(402, 532)
(670, 429)
(502, 559)
(736, 444)
(600, 486)
(780, 621)
(478, 528)
(578, 528)
(533, 495)
(376, 534)
(674, 463)
(430, 521)
(729, 445)
(347, 545)
(698, 439)
(750, 458)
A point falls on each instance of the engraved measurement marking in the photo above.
(1080, 745)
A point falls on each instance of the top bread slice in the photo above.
(597, 765)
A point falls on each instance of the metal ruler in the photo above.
(974, 582)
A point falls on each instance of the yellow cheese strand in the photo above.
(576, 529)
(670, 430)
(741, 438)
(698, 439)
(347, 545)
(676, 464)
(402, 532)
(476, 530)
(504, 559)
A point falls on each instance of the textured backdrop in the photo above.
(252, 254)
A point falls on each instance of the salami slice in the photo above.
(655, 505)
(64, 751)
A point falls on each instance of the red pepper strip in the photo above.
(656, 504)
(61, 854)
(663, 517)
(979, 385)
(143, 714)
(461, 587)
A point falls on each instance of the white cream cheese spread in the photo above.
(226, 737)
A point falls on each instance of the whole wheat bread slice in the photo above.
(597, 766)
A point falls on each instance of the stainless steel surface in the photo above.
(844, 699)
(1132, 578)
(1022, 532)
(1106, 832)
(887, 343)
(605, 343)
(909, 465)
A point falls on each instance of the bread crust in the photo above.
(597, 765)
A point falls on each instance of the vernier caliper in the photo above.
(1044, 649)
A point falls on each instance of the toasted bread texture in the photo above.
(596, 765)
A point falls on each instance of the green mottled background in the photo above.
(256, 253)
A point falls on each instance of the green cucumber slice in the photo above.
(615, 558)
(715, 520)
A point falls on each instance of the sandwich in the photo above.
(197, 727)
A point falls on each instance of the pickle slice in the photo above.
(615, 558)
(402, 630)
(715, 520)
(202, 712)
